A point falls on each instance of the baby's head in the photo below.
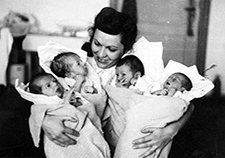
(68, 64)
(178, 82)
(128, 70)
(44, 83)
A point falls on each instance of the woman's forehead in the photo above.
(107, 39)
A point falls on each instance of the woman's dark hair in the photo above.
(59, 65)
(133, 62)
(113, 22)
(33, 87)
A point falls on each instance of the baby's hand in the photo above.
(164, 91)
(68, 95)
(123, 83)
(160, 92)
(79, 78)
(90, 89)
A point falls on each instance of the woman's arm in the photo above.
(159, 138)
(58, 133)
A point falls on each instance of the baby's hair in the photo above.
(59, 65)
(186, 83)
(33, 86)
(133, 62)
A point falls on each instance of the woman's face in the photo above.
(107, 49)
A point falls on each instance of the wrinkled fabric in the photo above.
(92, 142)
(141, 112)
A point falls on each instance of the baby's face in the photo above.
(124, 76)
(50, 86)
(174, 81)
(77, 67)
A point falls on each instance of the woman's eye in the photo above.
(112, 49)
(97, 43)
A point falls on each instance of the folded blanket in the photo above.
(92, 143)
(142, 112)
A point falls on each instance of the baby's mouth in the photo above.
(167, 83)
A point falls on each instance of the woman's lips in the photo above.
(102, 60)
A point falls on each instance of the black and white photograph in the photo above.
(112, 79)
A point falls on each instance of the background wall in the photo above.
(216, 42)
(52, 14)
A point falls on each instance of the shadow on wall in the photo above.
(216, 93)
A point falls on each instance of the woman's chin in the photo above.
(104, 65)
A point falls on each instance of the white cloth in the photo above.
(150, 53)
(92, 142)
(201, 85)
(143, 84)
(142, 112)
(6, 41)
(46, 54)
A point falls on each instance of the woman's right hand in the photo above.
(57, 132)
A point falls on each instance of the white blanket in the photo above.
(92, 143)
(141, 112)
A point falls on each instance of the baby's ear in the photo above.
(183, 89)
(69, 75)
(137, 75)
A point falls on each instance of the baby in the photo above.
(153, 109)
(128, 70)
(81, 116)
(69, 65)
(130, 74)
(47, 84)
(175, 82)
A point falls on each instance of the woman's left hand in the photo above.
(157, 139)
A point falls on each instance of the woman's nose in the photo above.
(101, 52)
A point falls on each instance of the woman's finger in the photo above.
(71, 132)
(144, 143)
(60, 144)
(65, 140)
(148, 130)
(150, 151)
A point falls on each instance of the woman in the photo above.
(112, 36)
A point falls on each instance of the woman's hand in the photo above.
(157, 139)
(58, 133)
